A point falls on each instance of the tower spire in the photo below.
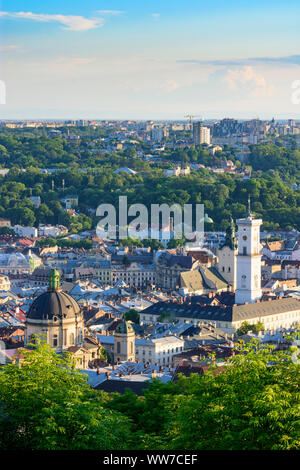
(230, 239)
(249, 207)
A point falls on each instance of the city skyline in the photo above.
(124, 60)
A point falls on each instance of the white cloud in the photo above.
(70, 22)
(246, 79)
(9, 47)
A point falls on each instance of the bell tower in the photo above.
(248, 276)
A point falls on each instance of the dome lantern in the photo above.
(54, 280)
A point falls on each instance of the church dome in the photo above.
(53, 304)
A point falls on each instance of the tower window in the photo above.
(244, 250)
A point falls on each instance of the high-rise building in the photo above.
(201, 134)
(159, 133)
(248, 278)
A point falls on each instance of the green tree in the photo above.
(132, 315)
(252, 405)
(47, 404)
(243, 329)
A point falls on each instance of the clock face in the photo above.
(245, 237)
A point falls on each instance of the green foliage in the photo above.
(283, 159)
(166, 317)
(47, 404)
(132, 315)
(246, 326)
(252, 403)
(275, 166)
(6, 231)
(66, 243)
(175, 242)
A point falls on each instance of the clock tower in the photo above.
(248, 278)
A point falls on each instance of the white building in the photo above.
(158, 350)
(159, 133)
(25, 231)
(274, 314)
(135, 275)
(248, 278)
(51, 230)
(177, 171)
(17, 263)
(201, 134)
(4, 283)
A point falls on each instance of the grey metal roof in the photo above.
(50, 304)
(224, 313)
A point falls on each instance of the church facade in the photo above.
(56, 316)
(227, 257)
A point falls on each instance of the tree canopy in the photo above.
(250, 403)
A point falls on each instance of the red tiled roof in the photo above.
(25, 241)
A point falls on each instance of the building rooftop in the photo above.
(225, 313)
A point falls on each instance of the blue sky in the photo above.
(157, 60)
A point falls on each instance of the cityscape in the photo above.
(149, 267)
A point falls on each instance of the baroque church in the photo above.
(57, 318)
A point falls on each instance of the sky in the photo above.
(130, 59)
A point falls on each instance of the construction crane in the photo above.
(191, 116)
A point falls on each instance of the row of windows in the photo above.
(167, 351)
